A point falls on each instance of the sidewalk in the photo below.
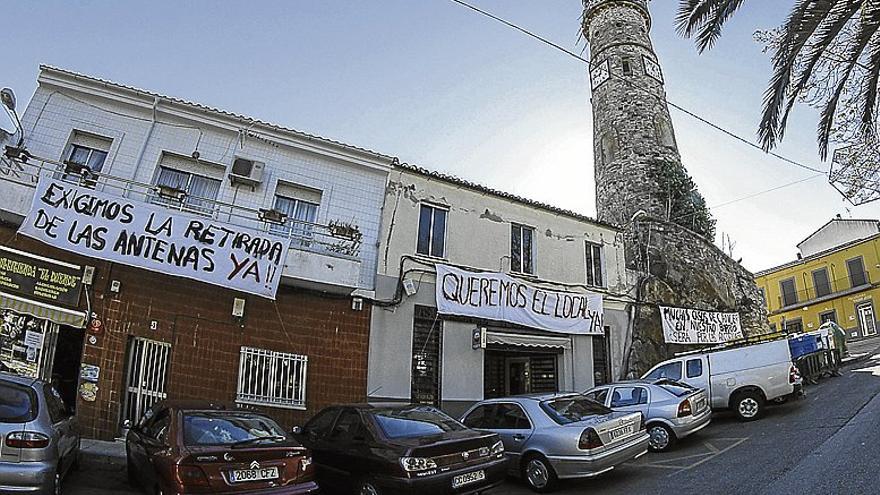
(102, 470)
(861, 350)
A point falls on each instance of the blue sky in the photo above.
(439, 86)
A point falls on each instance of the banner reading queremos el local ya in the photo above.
(139, 234)
(694, 326)
(497, 296)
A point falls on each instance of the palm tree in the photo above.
(812, 32)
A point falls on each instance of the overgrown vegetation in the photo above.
(684, 204)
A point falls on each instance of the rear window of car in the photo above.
(676, 388)
(228, 428)
(18, 403)
(565, 410)
(415, 422)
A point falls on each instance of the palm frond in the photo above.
(827, 32)
(869, 87)
(800, 25)
(706, 18)
(869, 23)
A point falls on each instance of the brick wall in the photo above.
(195, 318)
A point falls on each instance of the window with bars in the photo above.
(201, 191)
(272, 378)
(594, 265)
(432, 231)
(522, 249)
(426, 342)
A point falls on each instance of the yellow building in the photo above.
(836, 277)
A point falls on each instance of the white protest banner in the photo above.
(135, 233)
(693, 326)
(497, 296)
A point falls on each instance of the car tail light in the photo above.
(191, 476)
(794, 375)
(414, 464)
(27, 440)
(589, 440)
(685, 409)
(641, 422)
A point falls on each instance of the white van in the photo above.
(742, 378)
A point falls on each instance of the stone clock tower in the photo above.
(633, 134)
(642, 186)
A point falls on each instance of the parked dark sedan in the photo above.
(396, 449)
(200, 447)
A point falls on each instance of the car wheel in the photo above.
(748, 406)
(661, 437)
(539, 474)
(367, 488)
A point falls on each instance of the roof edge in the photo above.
(812, 257)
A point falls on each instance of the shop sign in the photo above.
(40, 279)
(694, 326)
(500, 297)
(135, 233)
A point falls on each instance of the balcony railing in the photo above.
(834, 288)
(336, 239)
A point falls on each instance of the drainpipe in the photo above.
(140, 158)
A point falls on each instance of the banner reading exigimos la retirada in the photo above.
(113, 228)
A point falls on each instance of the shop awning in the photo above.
(49, 312)
(528, 340)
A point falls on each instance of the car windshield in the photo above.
(415, 422)
(565, 410)
(676, 388)
(17, 404)
(226, 428)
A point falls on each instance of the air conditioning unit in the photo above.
(247, 172)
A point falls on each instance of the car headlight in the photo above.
(498, 448)
(412, 464)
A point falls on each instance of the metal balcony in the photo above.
(835, 288)
(325, 257)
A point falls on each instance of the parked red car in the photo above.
(201, 447)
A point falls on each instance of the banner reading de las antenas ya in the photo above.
(500, 297)
(113, 228)
(694, 326)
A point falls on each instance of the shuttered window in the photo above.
(594, 265)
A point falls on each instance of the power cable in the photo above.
(646, 90)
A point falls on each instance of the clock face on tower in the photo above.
(652, 69)
(600, 73)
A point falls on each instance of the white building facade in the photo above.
(145, 334)
(416, 354)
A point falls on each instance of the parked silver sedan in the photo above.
(557, 436)
(38, 436)
(672, 410)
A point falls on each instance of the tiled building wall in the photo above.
(350, 192)
(195, 318)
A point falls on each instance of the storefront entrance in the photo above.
(509, 372)
(40, 348)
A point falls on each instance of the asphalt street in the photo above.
(823, 444)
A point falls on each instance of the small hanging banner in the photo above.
(693, 326)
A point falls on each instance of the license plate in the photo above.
(244, 475)
(621, 432)
(467, 479)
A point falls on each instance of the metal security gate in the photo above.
(146, 378)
